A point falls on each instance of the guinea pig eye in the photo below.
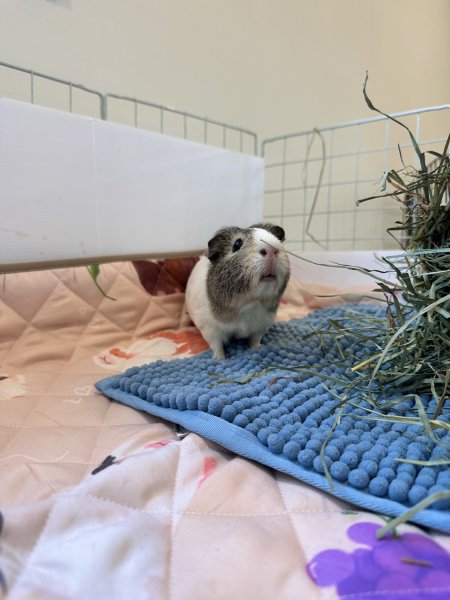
(237, 244)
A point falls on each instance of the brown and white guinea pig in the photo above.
(235, 289)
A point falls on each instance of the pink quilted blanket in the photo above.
(100, 501)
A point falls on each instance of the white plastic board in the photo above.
(322, 267)
(76, 189)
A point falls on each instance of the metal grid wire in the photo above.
(38, 88)
(46, 90)
(166, 119)
(314, 178)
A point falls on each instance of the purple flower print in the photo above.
(412, 567)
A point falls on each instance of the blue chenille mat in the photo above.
(281, 419)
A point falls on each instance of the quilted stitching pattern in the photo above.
(164, 514)
(52, 324)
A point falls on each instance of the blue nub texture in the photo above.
(288, 411)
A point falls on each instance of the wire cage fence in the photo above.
(313, 179)
(171, 121)
(31, 86)
(38, 88)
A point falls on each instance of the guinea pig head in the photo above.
(248, 261)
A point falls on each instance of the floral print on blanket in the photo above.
(113, 460)
(162, 277)
(163, 345)
(205, 468)
(409, 566)
(209, 466)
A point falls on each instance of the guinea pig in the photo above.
(235, 289)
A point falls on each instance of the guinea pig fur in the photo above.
(235, 289)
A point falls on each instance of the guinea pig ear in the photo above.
(220, 244)
(275, 230)
(215, 247)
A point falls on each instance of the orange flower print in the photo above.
(159, 444)
(209, 464)
(120, 353)
(188, 341)
(163, 345)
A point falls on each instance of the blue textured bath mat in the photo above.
(281, 419)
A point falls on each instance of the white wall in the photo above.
(269, 65)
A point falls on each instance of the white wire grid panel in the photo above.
(356, 156)
(23, 84)
(313, 179)
(169, 120)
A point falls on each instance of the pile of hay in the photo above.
(415, 355)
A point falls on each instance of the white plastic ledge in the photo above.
(74, 188)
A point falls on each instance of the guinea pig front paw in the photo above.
(218, 352)
(255, 341)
